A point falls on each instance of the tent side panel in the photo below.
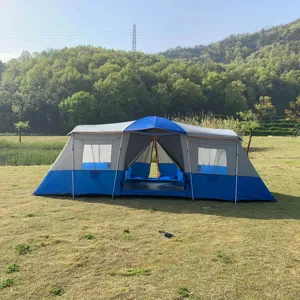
(245, 166)
(222, 187)
(94, 182)
(207, 153)
(56, 183)
(253, 188)
(64, 160)
(91, 143)
(97, 182)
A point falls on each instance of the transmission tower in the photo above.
(134, 38)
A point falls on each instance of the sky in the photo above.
(36, 25)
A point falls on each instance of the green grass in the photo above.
(89, 236)
(134, 272)
(32, 151)
(57, 291)
(221, 251)
(5, 283)
(23, 249)
(12, 268)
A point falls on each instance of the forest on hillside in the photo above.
(56, 89)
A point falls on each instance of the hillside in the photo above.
(242, 45)
(57, 89)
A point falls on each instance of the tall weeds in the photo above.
(211, 121)
(29, 153)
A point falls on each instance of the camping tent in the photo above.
(191, 162)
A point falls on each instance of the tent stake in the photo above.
(120, 148)
(73, 168)
(191, 177)
(236, 171)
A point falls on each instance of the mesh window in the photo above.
(96, 157)
(163, 156)
(145, 156)
(212, 161)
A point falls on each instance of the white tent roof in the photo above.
(102, 128)
(190, 130)
(193, 130)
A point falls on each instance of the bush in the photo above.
(89, 236)
(57, 291)
(12, 268)
(5, 283)
(23, 249)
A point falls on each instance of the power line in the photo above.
(134, 38)
(282, 169)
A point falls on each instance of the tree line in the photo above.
(57, 89)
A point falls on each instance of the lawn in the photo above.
(98, 248)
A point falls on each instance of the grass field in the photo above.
(36, 150)
(98, 248)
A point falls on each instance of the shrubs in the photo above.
(23, 249)
(89, 236)
(56, 291)
(5, 283)
(12, 268)
(277, 128)
(211, 121)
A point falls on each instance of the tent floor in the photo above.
(153, 185)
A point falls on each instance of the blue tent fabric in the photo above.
(92, 182)
(205, 186)
(170, 170)
(155, 123)
(138, 170)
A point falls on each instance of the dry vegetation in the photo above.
(98, 248)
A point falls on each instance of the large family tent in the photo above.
(190, 161)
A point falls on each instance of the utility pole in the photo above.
(134, 38)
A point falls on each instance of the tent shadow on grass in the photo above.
(286, 207)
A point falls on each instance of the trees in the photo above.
(235, 99)
(1, 69)
(264, 109)
(294, 110)
(21, 127)
(53, 89)
(187, 96)
(79, 108)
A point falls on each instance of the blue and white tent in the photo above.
(192, 162)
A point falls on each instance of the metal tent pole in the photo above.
(73, 168)
(120, 148)
(236, 171)
(189, 157)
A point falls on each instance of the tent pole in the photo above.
(120, 148)
(189, 157)
(73, 168)
(236, 171)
